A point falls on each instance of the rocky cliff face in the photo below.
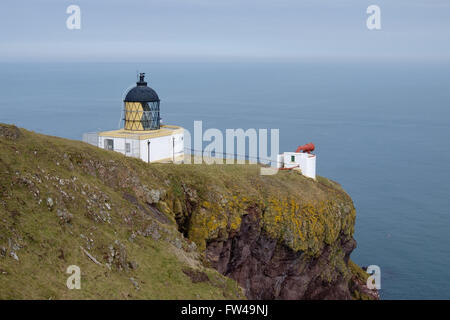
(301, 256)
(168, 226)
(268, 270)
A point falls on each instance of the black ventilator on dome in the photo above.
(141, 107)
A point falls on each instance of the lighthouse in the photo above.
(142, 136)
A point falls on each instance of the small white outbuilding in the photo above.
(305, 162)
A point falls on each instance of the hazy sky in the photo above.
(160, 30)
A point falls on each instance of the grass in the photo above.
(47, 245)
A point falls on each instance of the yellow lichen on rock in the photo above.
(302, 224)
(305, 226)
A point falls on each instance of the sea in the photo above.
(381, 130)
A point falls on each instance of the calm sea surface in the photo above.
(381, 130)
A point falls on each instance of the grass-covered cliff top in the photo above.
(121, 220)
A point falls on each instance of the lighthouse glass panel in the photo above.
(142, 116)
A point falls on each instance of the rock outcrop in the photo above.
(269, 270)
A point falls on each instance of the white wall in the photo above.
(161, 148)
(310, 166)
(305, 161)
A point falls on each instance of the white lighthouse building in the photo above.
(302, 159)
(142, 136)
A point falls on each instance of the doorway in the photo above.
(109, 144)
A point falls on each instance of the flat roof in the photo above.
(165, 130)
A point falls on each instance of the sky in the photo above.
(202, 30)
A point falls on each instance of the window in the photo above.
(292, 158)
(109, 144)
(127, 148)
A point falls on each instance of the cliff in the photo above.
(165, 231)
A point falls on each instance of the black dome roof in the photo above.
(141, 93)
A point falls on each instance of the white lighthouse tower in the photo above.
(142, 136)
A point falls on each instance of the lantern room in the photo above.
(141, 107)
